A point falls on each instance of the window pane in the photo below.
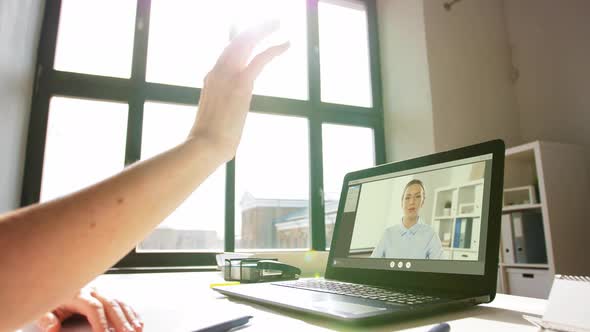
(272, 183)
(344, 53)
(346, 149)
(85, 143)
(96, 37)
(185, 39)
(285, 76)
(197, 224)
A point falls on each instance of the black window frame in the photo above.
(135, 91)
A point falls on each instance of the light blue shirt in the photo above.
(416, 242)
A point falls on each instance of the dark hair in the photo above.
(413, 182)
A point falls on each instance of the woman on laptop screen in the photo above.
(411, 238)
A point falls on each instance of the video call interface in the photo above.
(424, 217)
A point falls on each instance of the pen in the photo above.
(442, 327)
(226, 326)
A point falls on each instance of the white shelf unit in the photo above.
(521, 207)
(465, 202)
(560, 174)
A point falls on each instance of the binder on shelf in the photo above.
(468, 232)
(457, 236)
(463, 232)
(506, 234)
(534, 238)
(520, 253)
(475, 233)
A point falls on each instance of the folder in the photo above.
(463, 232)
(468, 232)
(457, 236)
(534, 237)
(475, 233)
(507, 245)
(520, 253)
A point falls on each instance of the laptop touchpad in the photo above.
(345, 309)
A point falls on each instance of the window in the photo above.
(272, 183)
(197, 224)
(344, 53)
(191, 34)
(85, 144)
(85, 44)
(346, 149)
(316, 115)
(291, 65)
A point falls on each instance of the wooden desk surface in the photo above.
(181, 301)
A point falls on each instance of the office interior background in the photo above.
(365, 82)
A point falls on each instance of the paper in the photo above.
(568, 305)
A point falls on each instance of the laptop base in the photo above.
(342, 308)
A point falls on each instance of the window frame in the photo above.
(136, 91)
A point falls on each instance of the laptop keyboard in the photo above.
(359, 290)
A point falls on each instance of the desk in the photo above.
(176, 301)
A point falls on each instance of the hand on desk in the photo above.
(102, 313)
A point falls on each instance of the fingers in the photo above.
(131, 316)
(101, 313)
(115, 314)
(94, 311)
(261, 60)
(237, 53)
(49, 323)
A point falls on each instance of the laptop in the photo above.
(410, 237)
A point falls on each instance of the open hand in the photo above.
(103, 314)
(227, 92)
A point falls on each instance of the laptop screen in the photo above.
(428, 219)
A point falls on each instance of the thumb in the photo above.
(49, 323)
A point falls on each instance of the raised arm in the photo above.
(49, 251)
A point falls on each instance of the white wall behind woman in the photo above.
(20, 24)
(372, 214)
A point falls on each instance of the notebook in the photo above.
(569, 301)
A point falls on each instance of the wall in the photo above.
(407, 102)
(550, 48)
(20, 24)
(473, 99)
(446, 76)
(372, 213)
